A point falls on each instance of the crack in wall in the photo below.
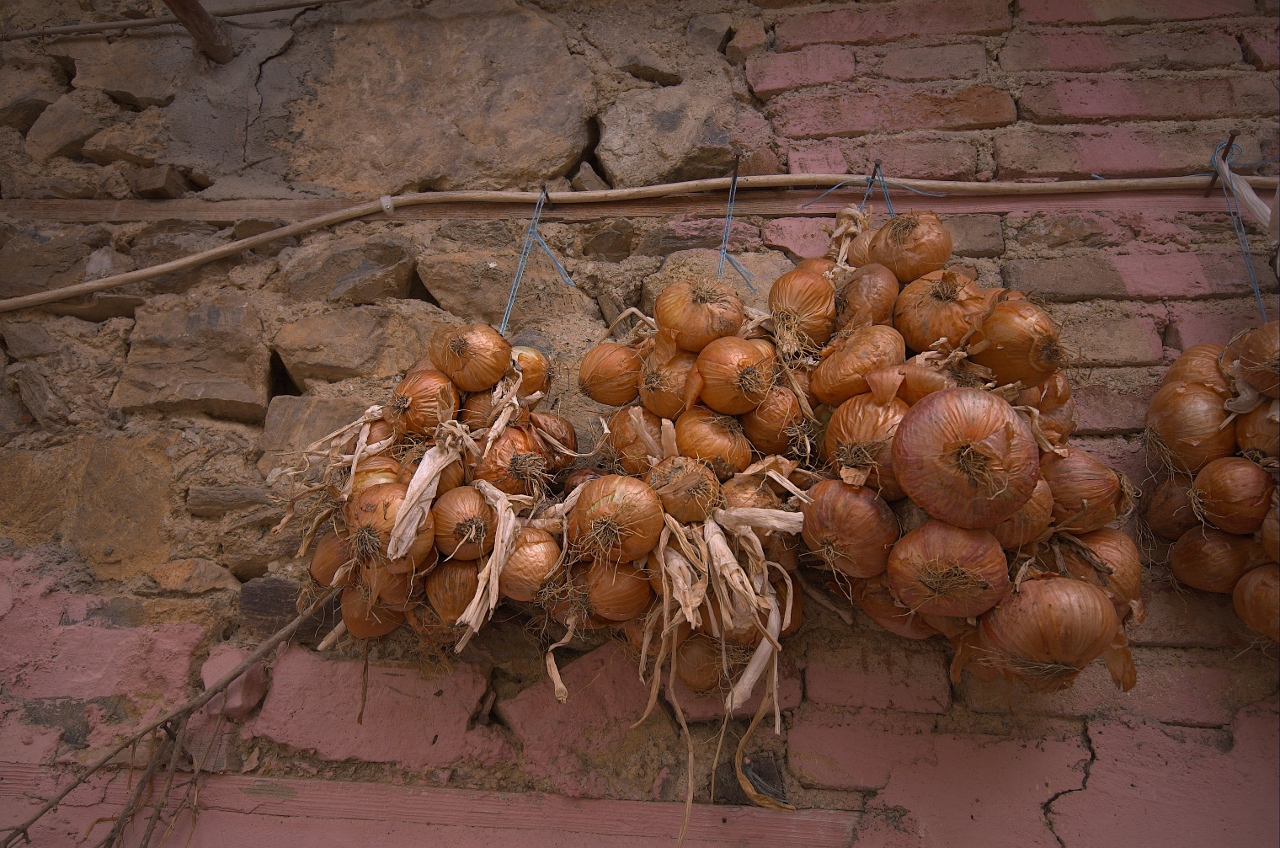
(1046, 809)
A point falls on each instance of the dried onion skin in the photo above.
(423, 401)
(734, 376)
(366, 619)
(534, 561)
(1259, 362)
(803, 306)
(1232, 494)
(1086, 493)
(687, 487)
(717, 440)
(938, 569)
(632, 448)
(663, 377)
(1258, 432)
(843, 371)
(873, 596)
(616, 592)
(1199, 364)
(771, 425)
(1022, 344)
(1114, 548)
(866, 296)
(940, 310)
(1030, 525)
(450, 588)
(859, 437)
(465, 524)
(850, 528)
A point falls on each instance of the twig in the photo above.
(168, 783)
(157, 752)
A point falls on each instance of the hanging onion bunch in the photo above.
(803, 306)
(474, 357)
(911, 245)
(698, 311)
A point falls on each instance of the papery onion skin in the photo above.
(1030, 524)
(1260, 358)
(1124, 584)
(517, 463)
(866, 296)
(450, 588)
(1086, 493)
(769, 426)
(374, 470)
(736, 375)
(922, 377)
(465, 524)
(1256, 599)
(966, 457)
(860, 248)
(662, 382)
(687, 487)
(1258, 432)
(610, 374)
(850, 527)
(873, 597)
(747, 490)
(1213, 560)
(717, 440)
(423, 400)
(1168, 509)
(911, 245)
(474, 356)
(698, 311)
(1022, 343)
(943, 306)
(364, 619)
(616, 519)
(329, 556)
(698, 664)
(535, 370)
(803, 306)
(939, 569)
(843, 371)
(626, 447)
(859, 437)
(1057, 408)
(816, 264)
(580, 477)
(370, 518)
(617, 592)
(1199, 364)
(1233, 494)
(1187, 427)
(561, 429)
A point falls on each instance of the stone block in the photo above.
(139, 72)
(163, 182)
(643, 63)
(1214, 322)
(1261, 48)
(660, 135)
(709, 32)
(39, 492)
(686, 234)
(65, 125)
(217, 501)
(193, 577)
(879, 23)
(977, 236)
(774, 73)
(361, 341)
(1186, 618)
(1142, 276)
(245, 692)
(350, 269)
(140, 142)
(1134, 11)
(943, 62)
(849, 111)
(1136, 150)
(29, 88)
(1092, 99)
(188, 356)
(933, 157)
(1110, 407)
(1101, 333)
(295, 422)
(586, 179)
(748, 39)
(1096, 52)
(799, 238)
(269, 603)
(883, 673)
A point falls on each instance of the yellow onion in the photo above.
(843, 371)
(816, 264)
(664, 375)
(517, 463)
(635, 450)
(474, 357)
(1199, 364)
(924, 374)
(561, 429)
(911, 245)
(1057, 420)
(1257, 600)
(859, 438)
(379, 431)
(697, 663)
(1232, 494)
(943, 306)
(1123, 585)
(1255, 356)
(1021, 341)
(717, 440)
(423, 401)
(366, 619)
(1168, 509)
(465, 524)
(850, 528)
(687, 487)
(391, 589)
(866, 296)
(535, 370)
(966, 457)
(771, 426)
(803, 307)
(860, 249)
(580, 477)
(733, 376)
(450, 588)
(1047, 631)
(1086, 493)
(1258, 432)
(873, 597)
(698, 311)
(1187, 427)
(1030, 524)
(616, 592)
(329, 557)
(610, 374)
(373, 471)
(1213, 560)
(616, 519)
(370, 517)
(748, 490)
(534, 560)
(478, 412)
(939, 569)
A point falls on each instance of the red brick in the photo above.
(801, 238)
(711, 707)
(1124, 11)
(824, 158)
(774, 73)
(891, 108)
(1142, 276)
(1100, 333)
(1085, 99)
(920, 157)
(880, 23)
(975, 235)
(1216, 322)
(1154, 785)
(1185, 618)
(1261, 48)
(748, 39)
(944, 62)
(1139, 151)
(886, 674)
(1097, 51)
(1102, 410)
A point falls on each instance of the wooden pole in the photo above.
(205, 32)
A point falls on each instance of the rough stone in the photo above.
(748, 38)
(190, 356)
(1183, 618)
(921, 157)
(1132, 11)
(29, 88)
(245, 693)
(1262, 49)
(979, 236)
(1109, 333)
(217, 501)
(1107, 99)
(43, 258)
(586, 179)
(799, 238)
(761, 161)
(1213, 322)
(163, 182)
(38, 492)
(882, 673)
(764, 267)
(1138, 275)
(849, 111)
(295, 422)
(944, 62)
(64, 127)
(362, 341)
(1138, 150)
(642, 63)
(650, 136)
(1096, 52)
(676, 235)
(612, 243)
(709, 32)
(138, 71)
(879, 23)
(1106, 410)
(349, 269)
(193, 577)
(58, 178)
(823, 158)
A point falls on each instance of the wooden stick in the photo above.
(205, 32)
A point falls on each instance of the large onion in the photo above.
(616, 519)
(1086, 493)
(373, 471)
(474, 356)
(966, 457)
(328, 558)
(1116, 550)
(816, 264)
(1030, 524)
(616, 592)
(845, 364)
(911, 245)
(664, 375)
(698, 311)
(873, 597)
(450, 588)
(370, 517)
(733, 375)
(943, 306)
(849, 527)
(866, 296)
(697, 664)
(610, 374)
(1199, 364)
(1213, 560)
(773, 425)
(717, 440)
(1257, 600)
(422, 401)
(748, 490)
(1258, 353)
(803, 306)
(465, 524)
(1258, 432)
(517, 463)
(1021, 341)
(939, 569)
(534, 561)
(535, 370)
(561, 429)
(364, 618)
(1187, 427)
(687, 487)
(479, 413)
(634, 448)
(859, 438)
(1232, 494)
(1168, 509)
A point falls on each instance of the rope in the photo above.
(869, 182)
(728, 230)
(529, 237)
(1223, 158)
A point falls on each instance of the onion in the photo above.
(517, 463)
(1258, 360)
(859, 438)
(664, 375)
(698, 311)
(634, 450)
(580, 477)
(616, 592)
(535, 370)
(610, 374)
(924, 374)
(1199, 364)
(803, 306)
(845, 364)
(911, 245)
(450, 588)
(687, 488)
(939, 569)
(717, 440)
(1057, 408)
(364, 618)
(1047, 631)
(373, 471)
(816, 264)
(697, 663)
(616, 519)
(1258, 432)
(465, 524)
(866, 296)
(422, 401)
(849, 527)
(474, 357)
(1168, 509)
(1187, 427)
(748, 490)
(1022, 343)
(860, 249)
(943, 306)
(1124, 584)
(873, 597)
(379, 431)
(329, 556)
(1257, 600)
(1086, 493)
(773, 424)
(391, 589)
(370, 517)
(1213, 560)
(733, 376)
(478, 412)
(1030, 524)
(966, 457)
(561, 429)
(1232, 494)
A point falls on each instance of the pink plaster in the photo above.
(882, 675)
(1104, 11)
(25, 743)
(245, 692)
(800, 237)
